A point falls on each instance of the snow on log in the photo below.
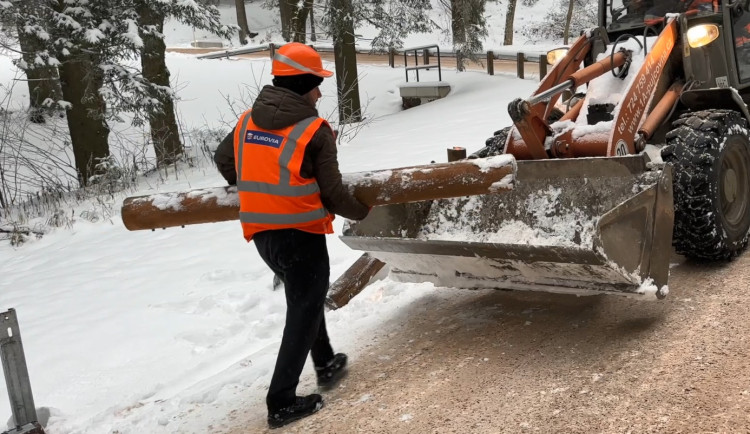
(382, 187)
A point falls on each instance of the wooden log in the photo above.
(434, 181)
(382, 187)
(164, 210)
(353, 281)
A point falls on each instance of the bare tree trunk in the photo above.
(81, 80)
(299, 23)
(345, 54)
(313, 37)
(42, 81)
(568, 18)
(509, 18)
(458, 30)
(164, 132)
(242, 21)
(286, 13)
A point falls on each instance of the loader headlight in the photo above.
(702, 34)
(554, 55)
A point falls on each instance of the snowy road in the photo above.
(496, 362)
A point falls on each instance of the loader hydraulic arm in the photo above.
(633, 113)
(533, 128)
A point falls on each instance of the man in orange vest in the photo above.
(282, 157)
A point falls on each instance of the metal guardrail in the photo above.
(520, 57)
(237, 52)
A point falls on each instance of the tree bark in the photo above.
(164, 132)
(568, 18)
(43, 81)
(242, 21)
(313, 37)
(286, 13)
(509, 18)
(458, 30)
(299, 25)
(345, 54)
(81, 80)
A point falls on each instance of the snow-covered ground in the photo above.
(168, 331)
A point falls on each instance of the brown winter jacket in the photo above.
(277, 108)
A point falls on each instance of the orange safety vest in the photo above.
(273, 194)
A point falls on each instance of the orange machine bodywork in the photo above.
(532, 138)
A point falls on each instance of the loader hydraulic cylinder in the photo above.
(532, 127)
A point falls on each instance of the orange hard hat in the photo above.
(295, 58)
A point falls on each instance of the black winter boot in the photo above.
(333, 372)
(303, 406)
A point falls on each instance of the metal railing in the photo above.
(425, 49)
(520, 58)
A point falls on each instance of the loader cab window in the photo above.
(624, 14)
(741, 33)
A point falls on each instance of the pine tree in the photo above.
(469, 28)
(395, 20)
(30, 21)
(43, 80)
(91, 43)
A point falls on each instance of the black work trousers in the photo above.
(300, 259)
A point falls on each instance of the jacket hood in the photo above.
(277, 107)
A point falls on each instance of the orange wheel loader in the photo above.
(634, 142)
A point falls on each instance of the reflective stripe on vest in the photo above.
(284, 187)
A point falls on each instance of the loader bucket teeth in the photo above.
(581, 226)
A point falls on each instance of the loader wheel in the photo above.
(710, 153)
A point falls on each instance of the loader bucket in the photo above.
(581, 226)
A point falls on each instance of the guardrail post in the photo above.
(542, 66)
(16, 372)
(520, 59)
(456, 153)
(490, 63)
(406, 66)
(440, 68)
